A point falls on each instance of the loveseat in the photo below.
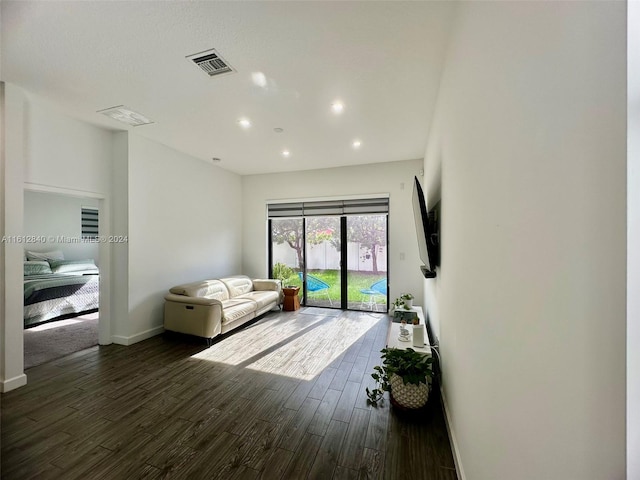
(211, 307)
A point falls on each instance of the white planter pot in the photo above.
(408, 395)
(408, 303)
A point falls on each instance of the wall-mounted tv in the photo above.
(427, 232)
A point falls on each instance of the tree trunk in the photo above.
(374, 260)
(299, 254)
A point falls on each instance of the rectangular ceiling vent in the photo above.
(211, 62)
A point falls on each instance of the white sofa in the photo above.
(211, 307)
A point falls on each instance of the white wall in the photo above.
(528, 153)
(185, 225)
(633, 241)
(120, 228)
(393, 178)
(64, 152)
(47, 151)
(11, 318)
(54, 215)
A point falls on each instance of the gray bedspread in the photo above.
(49, 296)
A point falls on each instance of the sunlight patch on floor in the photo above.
(282, 346)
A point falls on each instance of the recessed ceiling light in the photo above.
(259, 79)
(244, 122)
(286, 153)
(337, 107)
(356, 144)
(126, 115)
(278, 130)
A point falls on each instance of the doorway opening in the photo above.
(62, 284)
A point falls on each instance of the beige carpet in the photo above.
(52, 340)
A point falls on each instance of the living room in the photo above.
(528, 100)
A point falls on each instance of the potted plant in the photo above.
(407, 298)
(397, 303)
(405, 374)
(282, 272)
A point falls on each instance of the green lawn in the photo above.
(356, 281)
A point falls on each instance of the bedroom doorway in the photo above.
(62, 276)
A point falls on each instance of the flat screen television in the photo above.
(427, 237)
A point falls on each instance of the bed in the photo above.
(59, 288)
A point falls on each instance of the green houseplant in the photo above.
(282, 272)
(403, 301)
(397, 303)
(401, 308)
(407, 298)
(405, 374)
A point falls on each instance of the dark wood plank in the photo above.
(351, 454)
(344, 473)
(376, 437)
(276, 466)
(305, 457)
(322, 384)
(372, 465)
(322, 418)
(358, 370)
(342, 376)
(327, 456)
(295, 431)
(347, 402)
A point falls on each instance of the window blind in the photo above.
(328, 207)
(89, 221)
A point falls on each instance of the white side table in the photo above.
(394, 332)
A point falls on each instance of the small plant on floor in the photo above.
(412, 367)
(282, 272)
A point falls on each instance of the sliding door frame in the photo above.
(344, 300)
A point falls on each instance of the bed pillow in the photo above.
(52, 255)
(36, 267)
(74, 266)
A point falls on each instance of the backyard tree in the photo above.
(319, 229)
(289, 231)
(370, 231)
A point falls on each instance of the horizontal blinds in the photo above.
(89, 222)
(329, 207)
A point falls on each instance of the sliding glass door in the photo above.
(335, 251)
(323, 262)
(367, 262)
(287, 251)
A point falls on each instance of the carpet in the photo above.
(53, 340)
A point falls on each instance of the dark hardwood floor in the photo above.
(282, 398)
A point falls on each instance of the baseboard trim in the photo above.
(452, 437)
(13, 383)
(138, 337)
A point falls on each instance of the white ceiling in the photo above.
(382, 59)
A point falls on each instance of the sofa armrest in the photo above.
(172, 297)
(193, 315)
(266, 284)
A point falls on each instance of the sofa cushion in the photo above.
(236, 308)
(238, 285)
(213, 289)
(262, 298)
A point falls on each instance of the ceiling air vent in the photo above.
(211, 62)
